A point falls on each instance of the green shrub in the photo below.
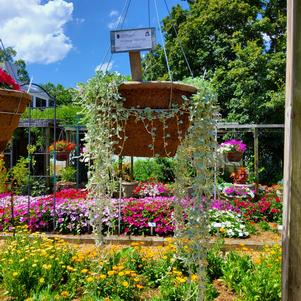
(235, 268)
(68, 174)
(146, 169)
(160, 169)
(215, 261)
(264, 283)
(167, 167)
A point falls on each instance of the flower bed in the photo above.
(137, 213)
(228, 218)
(38, 268)
(227, 224)
(267, 209)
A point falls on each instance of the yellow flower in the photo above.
(46, 266)
(181, 279)
(121, 274)
(64, 294)
(41, 280)
(69, 268)
(34, 265)
(84, 271)
(15, 274)
(89, 279)
(29, 299)
(111, 273)
(194, 277)
(125, 283)
(139, 286)
(106, 299)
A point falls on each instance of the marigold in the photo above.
(41, 280)
(84, 271)
(65, 294)
(125, 283)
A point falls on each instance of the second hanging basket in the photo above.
(12, 104)
(137, 139)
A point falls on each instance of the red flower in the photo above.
(62, 146)
(7, 82)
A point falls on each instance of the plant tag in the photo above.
(152, 224)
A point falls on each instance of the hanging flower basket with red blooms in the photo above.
(63, 149)
(13, 103)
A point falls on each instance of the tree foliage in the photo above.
(239, 45)
(63, 95)
(8, 56)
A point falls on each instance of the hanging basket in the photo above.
(62, 156)
(12, 104)
(156, 96)
(234, 156)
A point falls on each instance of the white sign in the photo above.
(134, 39)
(151, 224)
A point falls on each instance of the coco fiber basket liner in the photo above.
(12, 105)
(154, 95)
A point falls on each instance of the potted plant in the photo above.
(234, 149)
(13, 103)
(127, 184)
(63, 149)
(151, 188)
(68, 176)
(240, 177)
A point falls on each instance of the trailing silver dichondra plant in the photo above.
(195, 160)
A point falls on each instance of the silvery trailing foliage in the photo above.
(104, 114)
(195, 178)
(105, 118)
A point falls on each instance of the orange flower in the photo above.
(62, 146)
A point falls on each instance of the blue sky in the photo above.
(64, 41)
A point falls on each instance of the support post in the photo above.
(291, 238)
(47, 157)
(132, 168)
(120, 159)
(77, 152)
(256, 159)
(136, 68)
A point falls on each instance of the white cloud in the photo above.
(116, 19)
(36, 30)
(114, 13)
(107, 66)
(79, 20)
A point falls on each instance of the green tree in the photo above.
(63, 95)
(8, 56)
(239, 44)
